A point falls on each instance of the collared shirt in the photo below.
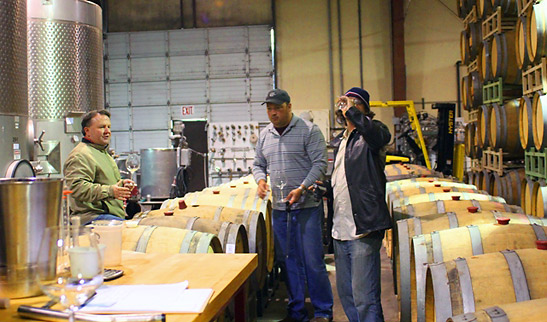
(343, 227)
(299, 154)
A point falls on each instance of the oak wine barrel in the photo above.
(526, 134)
(429, 197)
(487, 181)
(509, 8)
(526, 311)
(539, 122)
(508, 186)
(469, 139)
(466, 285)
(154, 239)
(504, 59)
(485, 67)
(422, 230)
(475, 89)
(464, 47)
(483, 126)
(526, 189)
(504, 130)
(402, 186)
(520, 43)
(233, 237)
(465, 94)
(484, 8)
(393, 196)
(398, 171)
(253, 221)
(474, 34)
(536, 24)
(539, 199)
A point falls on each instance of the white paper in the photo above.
(165, 298)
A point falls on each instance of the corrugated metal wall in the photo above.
(224, 73)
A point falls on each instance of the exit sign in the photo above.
(187, 110)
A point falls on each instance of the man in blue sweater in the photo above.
(293, 152)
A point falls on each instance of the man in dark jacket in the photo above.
(360, 212)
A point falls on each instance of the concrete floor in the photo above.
(276, 309)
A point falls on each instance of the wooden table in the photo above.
(226, 274)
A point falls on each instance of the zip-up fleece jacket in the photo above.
(90, 172)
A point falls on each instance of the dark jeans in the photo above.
(358, 277)
(304, 265)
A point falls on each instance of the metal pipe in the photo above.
(459, 104)
(360, 42)
(340, 46)
(181, 14)
(194, 13)
(274, 26)
(331, 68)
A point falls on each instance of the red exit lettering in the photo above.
(187, 110)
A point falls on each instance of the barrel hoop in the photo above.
(231, 241)
(437, 247)
(410, 210)
(496, 314)
(142, 244)
(468, 298)
(138, 220)
(404, 261)
(246, 216)
(443, 301)
(467, 317)
(520, 284)
(422, 190)
(217, 213)
(536, 220)
(222, 234)
(452, 220)
(204, 243)
(190, 223)
(186, 241)
(231, 200)
(255, 202)
(252, 233)
(476, 240)
(540, 233)
(420, 262)
(440, 207)
(397, 169)
(476, 203)
(244, 199)
(417, 226)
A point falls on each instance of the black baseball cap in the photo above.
(277, 96)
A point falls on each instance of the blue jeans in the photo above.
(107, 217)
(304, 265)
(358, 277)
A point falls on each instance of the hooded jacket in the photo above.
(364, 162)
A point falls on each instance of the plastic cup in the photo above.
(84, 261)
(110, 234)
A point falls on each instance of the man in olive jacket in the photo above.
(91, 173)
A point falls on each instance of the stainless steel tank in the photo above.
(65, 69)
(27, 207)
(15, 144)
(158, 169)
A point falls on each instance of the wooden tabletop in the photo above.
(224, 273)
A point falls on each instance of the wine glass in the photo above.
(279, 180)
(133, 164)
(69, 266)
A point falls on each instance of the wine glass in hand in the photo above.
(69, 266)
(133, 163)
(279, 180)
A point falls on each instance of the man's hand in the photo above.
(294, 195)
(262, 188)
(129, 183)
(121, 192)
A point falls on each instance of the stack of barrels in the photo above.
(504, 121)
(230, 218)
(458, 250)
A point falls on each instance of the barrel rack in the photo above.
(497, 24)
(493, 91)
(535, 163)
(535, 78)
(523, 6)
